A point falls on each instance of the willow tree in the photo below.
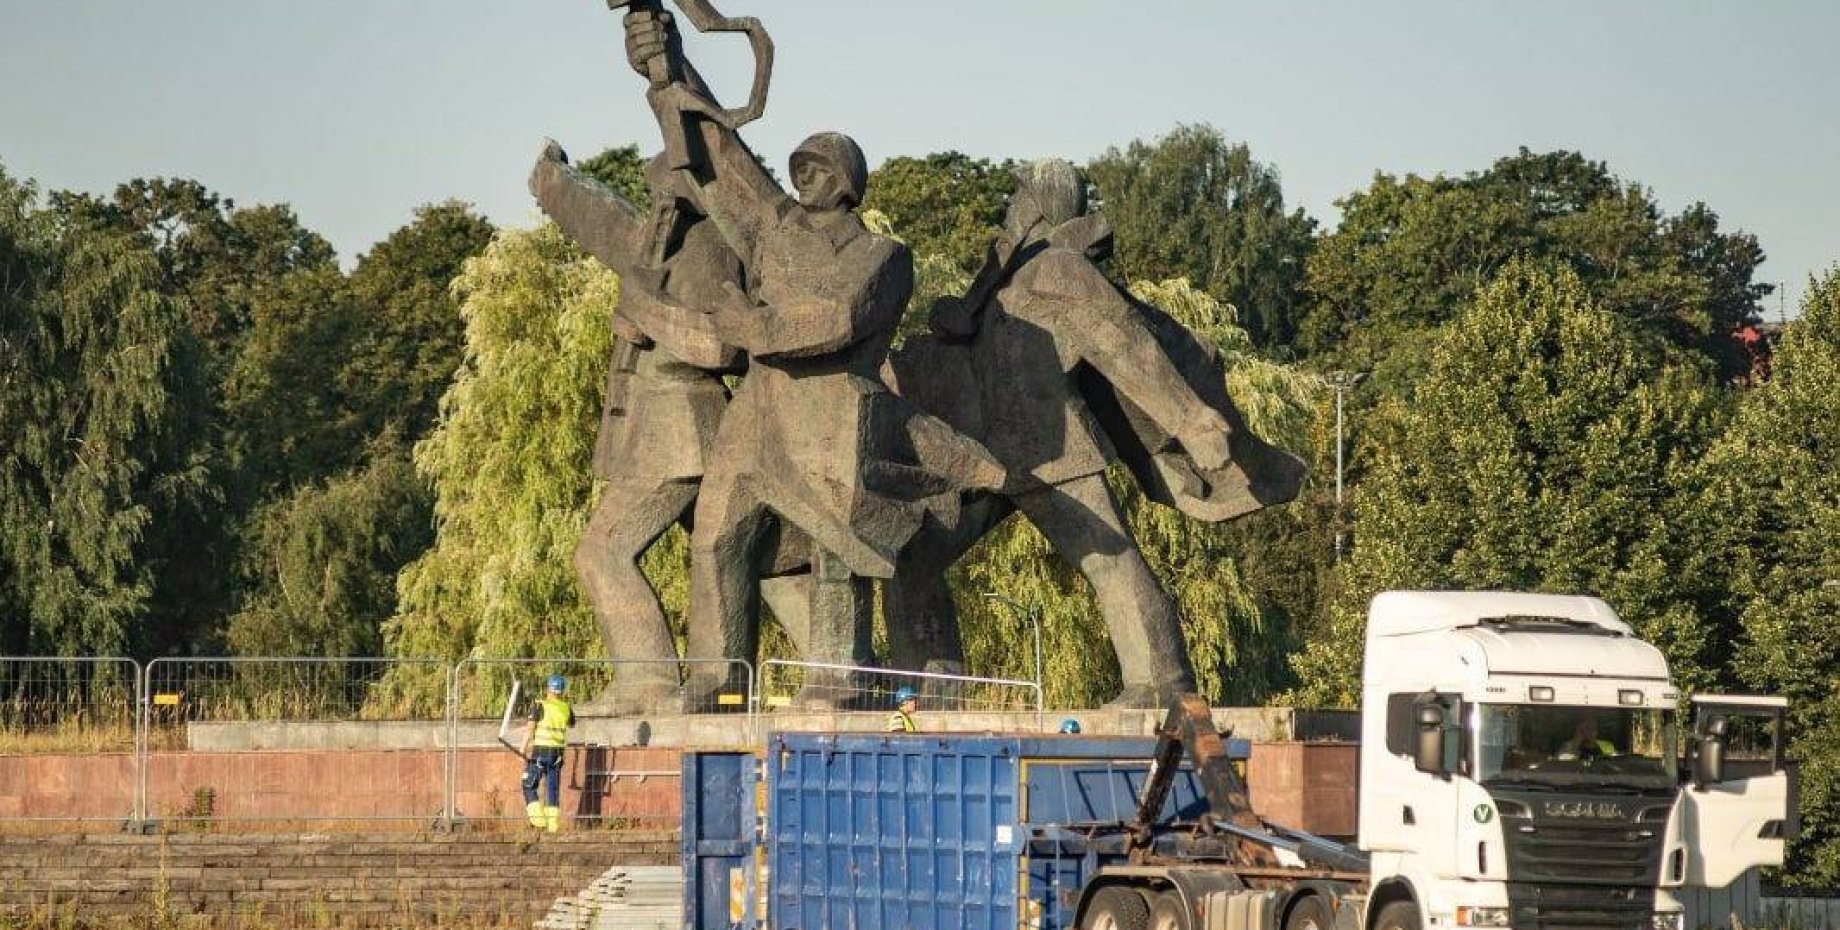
(93, 379)
(509, 461)
(1543, 451)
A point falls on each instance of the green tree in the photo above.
(1409, 253)
(1543, 451)
(1194, 205)
(406, 344)
(321, 563)
(509, 461)
(1766, 555)
(222, 264)
(285, 416)
(946, 204)
(622, 168)
(94, 356)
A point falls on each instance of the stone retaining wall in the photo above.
(599, 784)
(338, 880)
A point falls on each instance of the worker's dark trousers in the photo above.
(544, 763)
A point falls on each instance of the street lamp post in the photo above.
(1034, 617)
(1343, 382)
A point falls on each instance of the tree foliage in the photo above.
(321, 563)
(1766, 559)
(509, 460)
(1194, 205)
(1409, 253)
(405, 346)
(93, 366)
(622, 168)
(1542, 451)
(946, 205)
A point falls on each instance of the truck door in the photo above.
(1736, 811)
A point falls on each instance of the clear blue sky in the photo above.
(355, 111)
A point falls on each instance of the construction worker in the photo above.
(906, 701)
(544, 736)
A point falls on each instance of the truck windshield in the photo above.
(1570, 746)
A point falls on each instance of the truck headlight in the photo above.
(1498, 917)
(1667, 921)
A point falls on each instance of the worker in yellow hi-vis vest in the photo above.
(544, 736)
(906, 701)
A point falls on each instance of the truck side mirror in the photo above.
(1428, 750)
(1709, 762)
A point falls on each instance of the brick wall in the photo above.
(337, 785)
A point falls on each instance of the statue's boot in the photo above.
(636, 698)
(1149, 696)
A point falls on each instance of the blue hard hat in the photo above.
(557, 683)
(904, 694)
(1070, 725)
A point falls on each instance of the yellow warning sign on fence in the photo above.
(166, 700)
(729, 700)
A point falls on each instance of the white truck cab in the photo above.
(1520, 767)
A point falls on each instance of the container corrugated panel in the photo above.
(718, 835)
(925, 832)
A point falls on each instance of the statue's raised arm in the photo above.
(717, 168)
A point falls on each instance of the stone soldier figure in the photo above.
(1060, 372)
(813, 441)
(665, 398)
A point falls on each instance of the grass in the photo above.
(72, 736)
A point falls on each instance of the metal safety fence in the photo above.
(52, 708)
(789, 687)
(613, 777)
(246, 739)
(197, 744)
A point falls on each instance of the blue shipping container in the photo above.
(925, 831)
(719, 835)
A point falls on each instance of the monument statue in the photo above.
(814, 477)
(1061, 372)
(812, 440)
(664, 399)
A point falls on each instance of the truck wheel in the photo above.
(1308, 914)
(1167, 912)
(1399, 915)
(1117, 908)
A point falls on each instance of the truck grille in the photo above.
(1592, 841)
(1620, 853)
(1582, 863)
(1579, 907)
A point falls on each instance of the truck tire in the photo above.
(1309, 914)
(1116, 907)
(1399, 915)
(1167, 912)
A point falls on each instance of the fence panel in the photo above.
(611, 777)
(311, 740)
(862, 698)
(68, 740)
